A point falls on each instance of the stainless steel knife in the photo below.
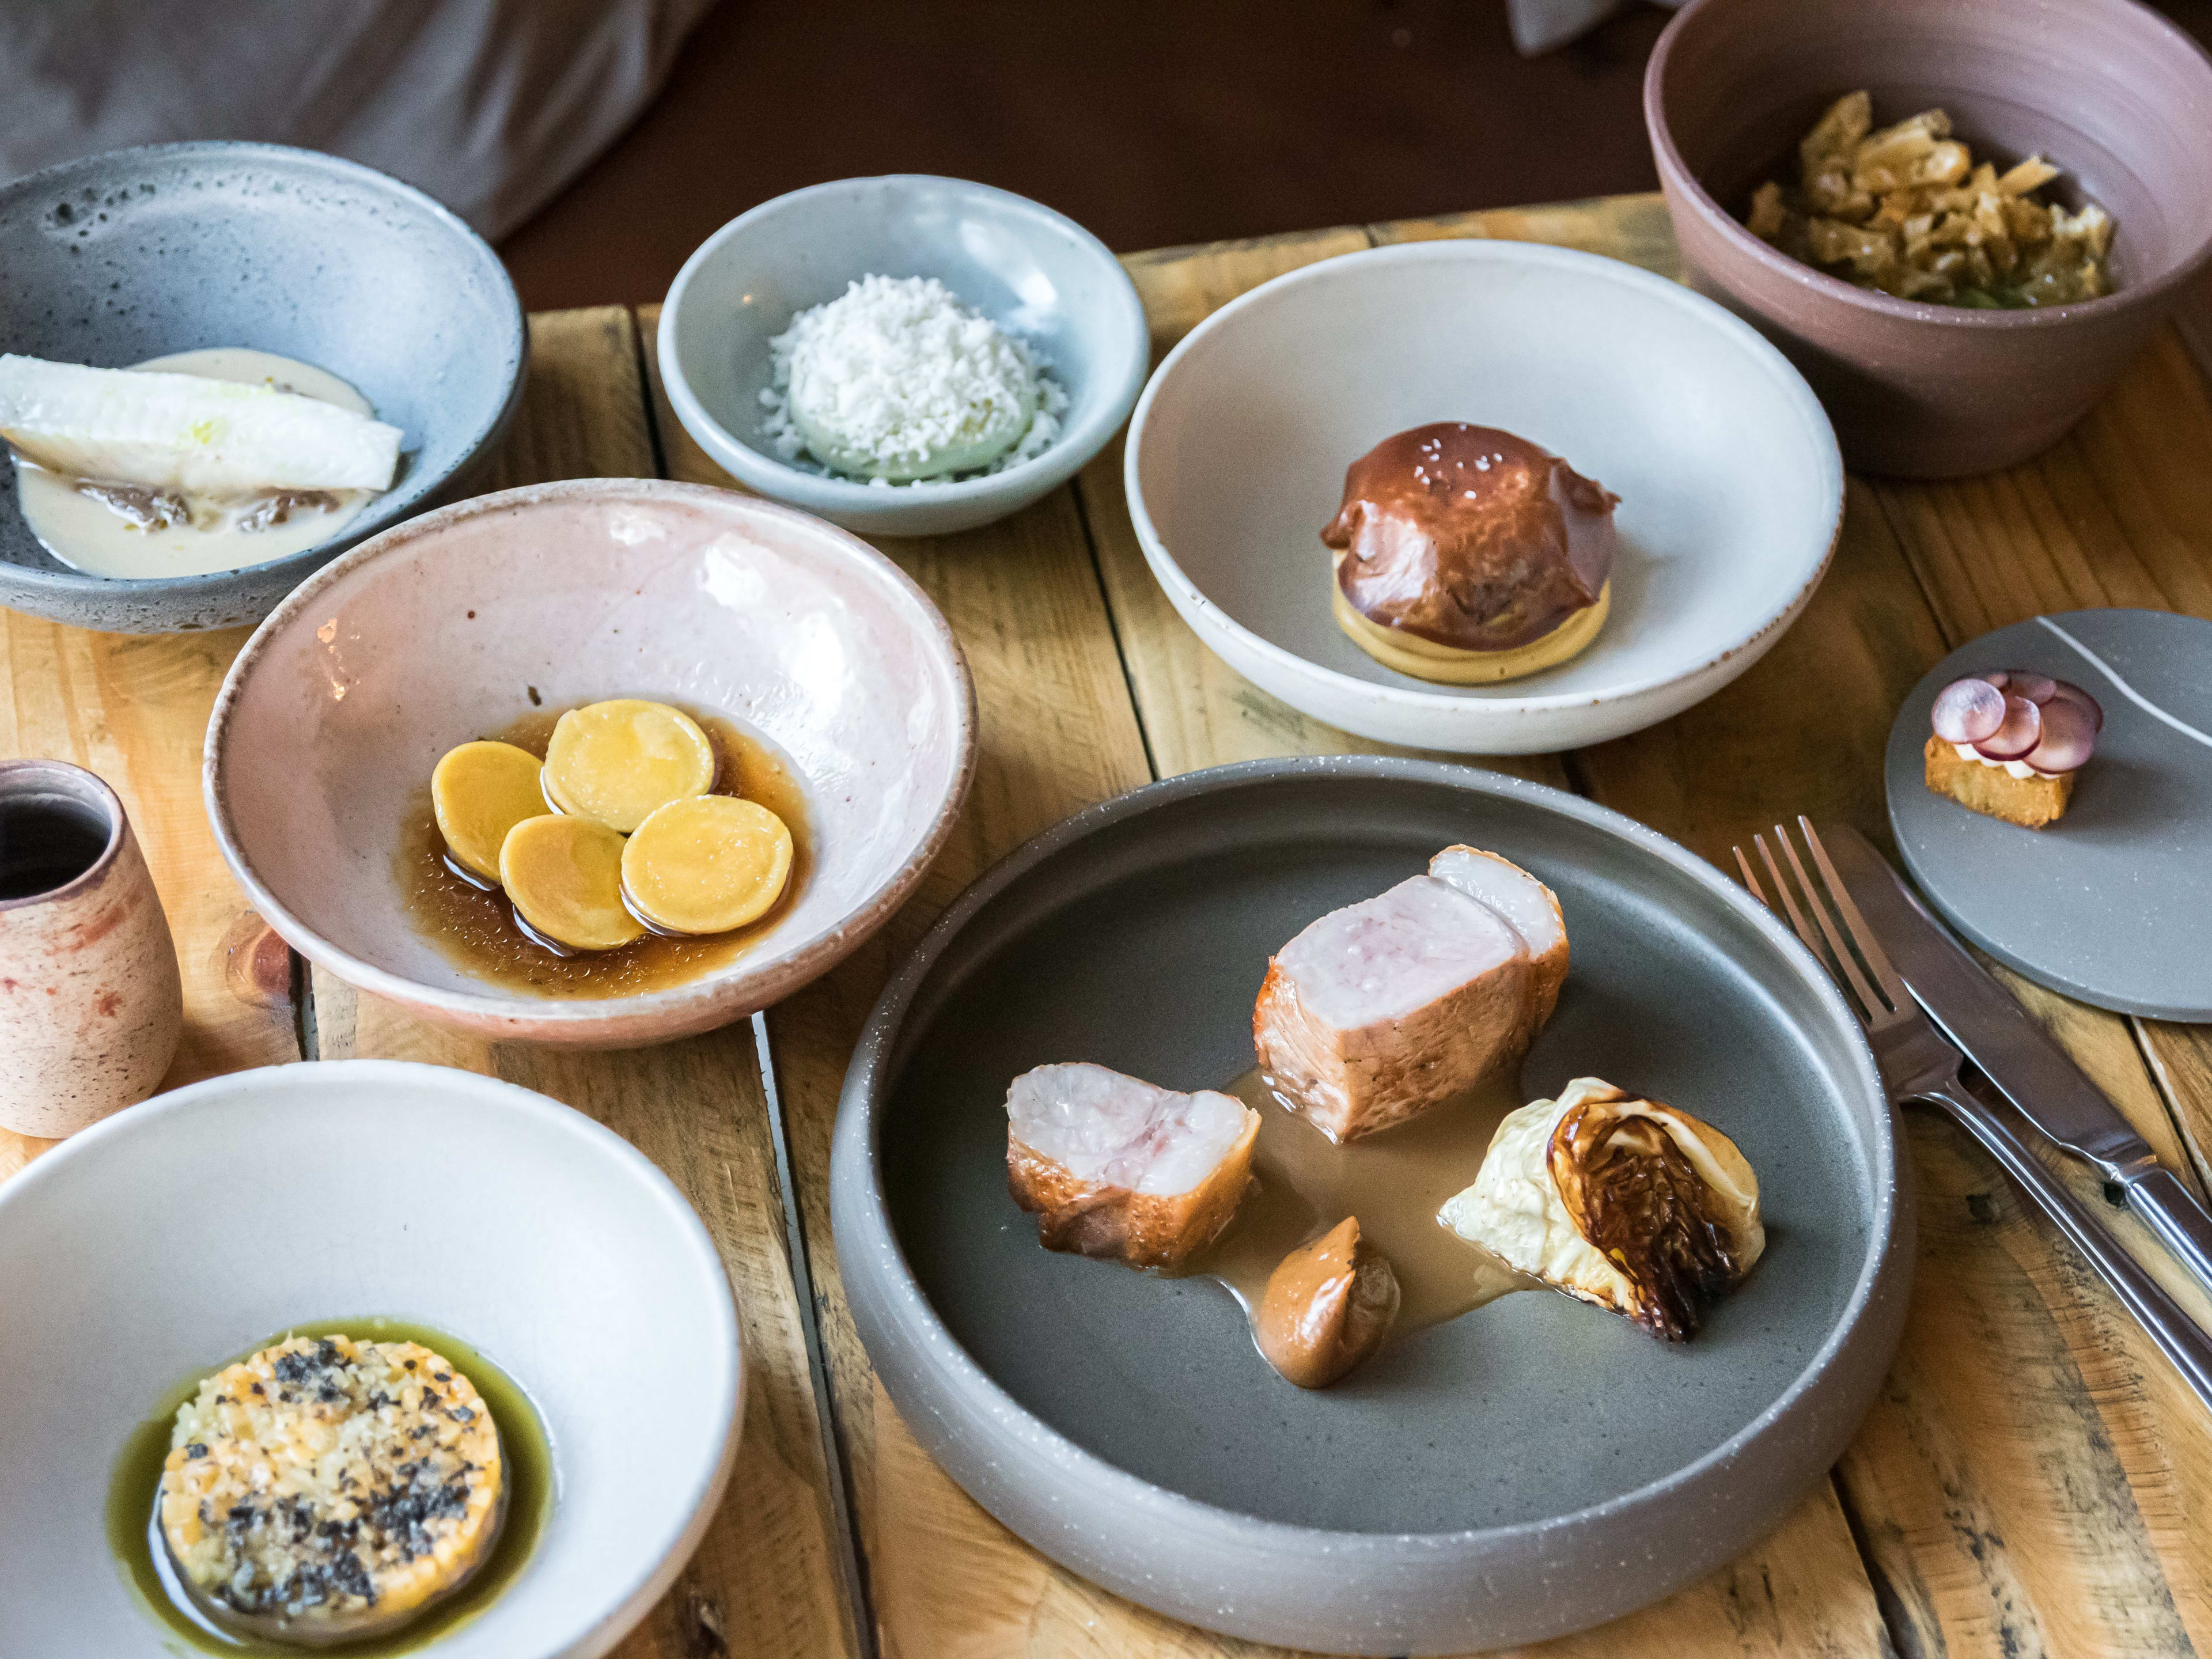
(2030, 1070)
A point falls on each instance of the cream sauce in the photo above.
(87, 535)
(1395, 1182)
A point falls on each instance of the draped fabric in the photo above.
(490, 106)
(1537, 26)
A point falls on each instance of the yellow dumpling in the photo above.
(564, 875)
(616, 761)
(478, 792)
(706, 864)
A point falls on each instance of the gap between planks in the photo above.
(852, 1564)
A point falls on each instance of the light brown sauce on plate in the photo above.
(476, 930)
(1395, 1182)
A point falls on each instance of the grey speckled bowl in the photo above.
(139, 252)
(1532, 1469)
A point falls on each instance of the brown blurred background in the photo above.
(1152, 121)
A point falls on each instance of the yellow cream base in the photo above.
(1409, 654)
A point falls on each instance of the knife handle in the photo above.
(2178, 1337)
(2158, 1196)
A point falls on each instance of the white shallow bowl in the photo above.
(1731, 489)
(158, 1243)
(1037, 274)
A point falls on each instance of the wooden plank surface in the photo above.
(1803, 1590)
(766, 1582)
(133, 707)
(2028, 1408)
(2033, 1480)
(2072, 1519)
(1055, 732)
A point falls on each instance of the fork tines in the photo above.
(1817, 927)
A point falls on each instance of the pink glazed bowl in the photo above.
(456, 624)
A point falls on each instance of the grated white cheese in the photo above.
(897, 382)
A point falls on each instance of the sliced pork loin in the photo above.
(1116, 1168)
(1531, 908)
(1383, 1009)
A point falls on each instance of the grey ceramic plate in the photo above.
(140, 252)
(1532, 1469)
(2113, 902)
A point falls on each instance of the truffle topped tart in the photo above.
(324, 1490)
(1464, 554)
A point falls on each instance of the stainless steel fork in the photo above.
(1919, 1064)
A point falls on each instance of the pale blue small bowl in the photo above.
(1037, 274)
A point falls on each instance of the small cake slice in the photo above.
(1327, 1308)
(1385, 1008)
(1616, 1201)
(2024, 798)
(2007, 743)
(1120, 1168)
(325, 1490)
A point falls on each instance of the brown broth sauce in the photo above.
(476, 930)
(1395, 1182)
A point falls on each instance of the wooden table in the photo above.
(2034, 1478)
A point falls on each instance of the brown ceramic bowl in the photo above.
(2107, 90)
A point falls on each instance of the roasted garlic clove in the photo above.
(707, 864)
(1624, 1202)
(615, 761)
(564, 875)
(478, 792)
(1326, 1307)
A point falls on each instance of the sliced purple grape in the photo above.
(1967, 711)
(1996, 677)
(2021, 731)
(2067, 691)
(2038, 688)
(2070, 737)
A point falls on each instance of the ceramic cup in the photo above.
(91, 1006)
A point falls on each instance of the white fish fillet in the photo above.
(208, 438)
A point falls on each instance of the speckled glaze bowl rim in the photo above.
(1686, 187)
(119, 825)
(1058, 461)
(776, 974)
(1889, 1235)
(152, 1117)
(1168, 570)
(372, 521)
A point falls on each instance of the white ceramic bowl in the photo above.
(165, 1239)
(459, 623)
(1730, 484)
(1036, 273)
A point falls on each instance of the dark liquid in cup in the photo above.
(46, 844)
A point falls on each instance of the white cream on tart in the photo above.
(2024, 724)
